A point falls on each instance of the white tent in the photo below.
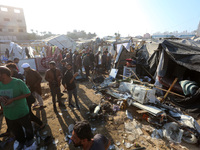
(16, 51)
(61, 41)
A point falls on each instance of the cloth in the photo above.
(66, 80)
(74, 92)
(16, 128)
(189, 87)
(100, 142)
(32, 116)
(18, 108)
(63, 69)
(79, 61)
(18, 75)
(104, 59)
(55, 92)
(86, 61)
(74, 59)
(33, 80)
(49, 76)
(25, 65)
(39, 98)
(87, 71)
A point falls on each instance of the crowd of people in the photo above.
(18, 93)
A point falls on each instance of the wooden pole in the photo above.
(172, 85)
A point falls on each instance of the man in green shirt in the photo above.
(13, 93)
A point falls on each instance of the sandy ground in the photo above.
(112, 127)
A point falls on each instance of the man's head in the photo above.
(52, 65)
(12, 67)
(81, 133)
(68, 55)
(25, 66)
(63, 62)
(4, 73)
(69, 66)
(9, 61)
(16, 60)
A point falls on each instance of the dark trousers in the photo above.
(55, 92)
(75, 68)
(16, 127)
(74, 92)
(87, 71)
(33, 117)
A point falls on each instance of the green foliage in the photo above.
(80, 34)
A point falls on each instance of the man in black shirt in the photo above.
(69, 83)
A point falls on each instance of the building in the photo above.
(147, 36)
(12, 23)
(12, 26)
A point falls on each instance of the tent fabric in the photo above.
(184, 55)
(181, 61)
(171, 52)
(190, 104)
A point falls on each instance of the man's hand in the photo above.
(8, 101)
(3, 99)
(76, 74)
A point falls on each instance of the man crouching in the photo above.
(82, 136)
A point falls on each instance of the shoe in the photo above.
(61, 105)
(77, 106)
(71, 106)
(4, 134)
(43, 126)
(35, 106)
(61, 94)
(41, 107)
(29, 143)
(20, 146)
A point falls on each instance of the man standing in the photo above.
(104, 61)
(16, 61)
(82, 136)
(97, 62)
(69, 84)
(33, 81)
(86, 64)
(92, 60)
(74, 61)
(13, 93)
(79, 63)
(54, 76)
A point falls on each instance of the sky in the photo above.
(106, 17)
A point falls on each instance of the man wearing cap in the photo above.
(33, 81)
(54, 76)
